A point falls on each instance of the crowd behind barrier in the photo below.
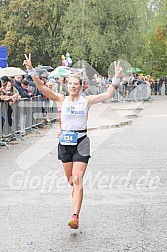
(141, 92)
(23, 107)
(32, 112)
(132, 93)
(132, 88)
(24, 115)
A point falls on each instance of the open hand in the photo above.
(27, 62)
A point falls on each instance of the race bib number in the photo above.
(68, 138)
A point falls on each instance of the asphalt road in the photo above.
(125, 197)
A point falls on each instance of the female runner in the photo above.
(73, 147)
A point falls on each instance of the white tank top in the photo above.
(74, 115)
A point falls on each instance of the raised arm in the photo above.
(92, 99)
(44, 89)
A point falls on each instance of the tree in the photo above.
(157, 54)
(34, 26)
(99, 33)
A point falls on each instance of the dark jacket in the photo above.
(32, 84)
(22, 91)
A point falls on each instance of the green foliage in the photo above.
(98, 31)
(157, 53)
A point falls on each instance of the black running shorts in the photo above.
(75, 153)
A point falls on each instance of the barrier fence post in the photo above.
(6, 127)
(2, 122)
(16, 117)
(29, 113)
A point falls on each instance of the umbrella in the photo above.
(47, 68)
(60, 71)
(11, 71)
(42, 72)
(133, 70)
(76, 70)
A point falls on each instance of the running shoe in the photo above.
(74, 222)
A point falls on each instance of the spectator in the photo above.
(25, 92)
(28, 88)
(25, 85)
(52, 85)
(12, 93)
(62, 86)
(9, 95)
(33, 88)
(165, 80)
(1, 95)
(4, 82)
(4, 79)
(44, 81)
(159, 87)
(17, 84)
(94, 81)
(17, 81)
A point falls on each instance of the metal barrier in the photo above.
(93, 90)
(1, 126)
(25, 115)
(128, 93)
(132, 93)
(30, 113)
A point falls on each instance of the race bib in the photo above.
(68, 138)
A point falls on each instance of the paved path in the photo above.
(125, 200)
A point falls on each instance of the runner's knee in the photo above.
(77, 181)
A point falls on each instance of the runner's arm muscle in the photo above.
(93, 99)
(46, 91)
